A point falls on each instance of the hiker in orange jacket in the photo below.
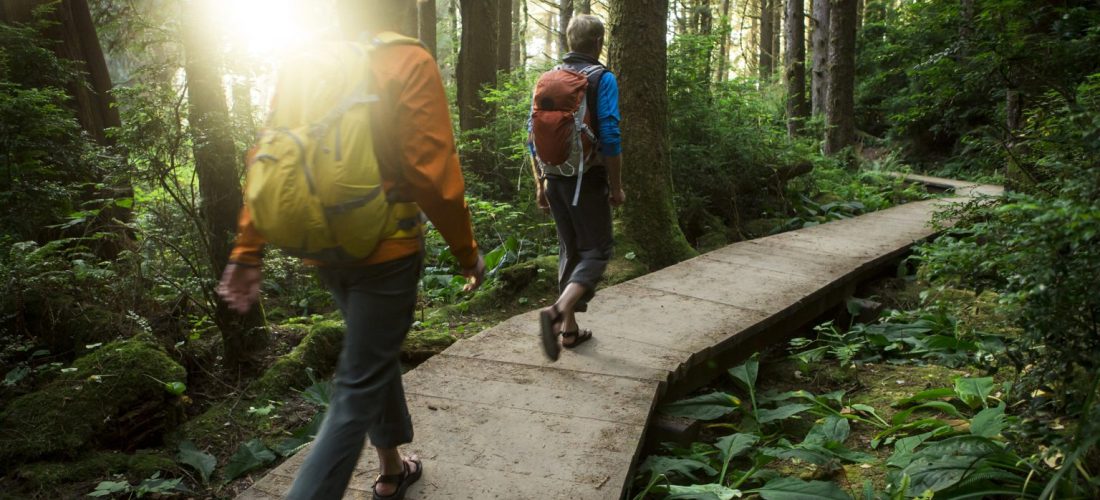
(377, 296)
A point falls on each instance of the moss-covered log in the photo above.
(115, 395)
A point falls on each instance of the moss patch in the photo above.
(319, 350)
(116, 392)
(45, 476)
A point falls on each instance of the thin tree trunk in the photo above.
(243, 336)
(724, 44)
(410, 21)
(820, 47)
(476, 62)
(503, 30)
(584, 6)
(797, 109)
(565, 13)
(519, 33)
(767, 64)
(427, 18)
(839, 107)
(640, 55)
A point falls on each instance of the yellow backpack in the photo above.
(314, 187)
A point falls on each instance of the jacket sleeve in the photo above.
(249, 244)
(432, 174)
(607, 106)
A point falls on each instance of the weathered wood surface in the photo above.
(495, 419)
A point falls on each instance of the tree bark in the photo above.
(795, 73)
(519, 33)
(820, 47)
(427, 20)
(243, 336)
(476, 62)
(767, 62)
(584, 6)
(639, 54)
(503, 30)
(839, 107)
(565, 14)
(724, 44)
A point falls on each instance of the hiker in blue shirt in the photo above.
(579, 194)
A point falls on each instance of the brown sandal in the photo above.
(402, 480)
(548, 319)
(579, 337)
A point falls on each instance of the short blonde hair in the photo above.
(584, 33)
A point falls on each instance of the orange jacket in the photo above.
(407, 76)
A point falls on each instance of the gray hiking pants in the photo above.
(377, 302)
(584, 231)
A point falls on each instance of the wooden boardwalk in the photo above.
(494, 419)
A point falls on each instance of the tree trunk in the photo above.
(584, 6)
(519, 34)
(427, 20)
(243, 336)
(724, 43)
(565, 13)
(639, 54)
(77, 41)
(797, 110)
(767, 64)
(839, 107)
(504, 35)
(476, 62)
(820, 47)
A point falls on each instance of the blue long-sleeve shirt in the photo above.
(607, 113)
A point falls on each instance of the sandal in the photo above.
(402, 480)
(547, 320)
(579, 337)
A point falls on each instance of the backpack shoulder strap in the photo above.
(594, 73)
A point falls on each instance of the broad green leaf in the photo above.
(175, 388)
(902, 416)
(202, 462)
(904, 448)
(747, 372)
(944, 463)
(833, 429)
(811, 454)
(705, 407)
(105, 488)
(926, 395)
(734, 445)
(703, 492)
(974, 391)
(685, 467)
(989, 422)
(249, 456)
(782, 413)
(789, 488)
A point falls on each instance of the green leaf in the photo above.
(105, 488)
(202, 462)
(782, 413)
(789, 488)
(630, 256)
(989, 422)
(702, 492)
(249, 456)
(124, 202)
(833, 429)
(926, 395)
(705, 407)
(904, 448)
(685, 467)
(734, 445)
(175, 388)
(746, 372)
(944, 463)
(974, 391)
(902, 416)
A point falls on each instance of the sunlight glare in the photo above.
(267, 28)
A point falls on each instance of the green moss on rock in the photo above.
(319, 350)
(44, 476)
(115, 391)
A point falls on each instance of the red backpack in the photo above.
(562, 130)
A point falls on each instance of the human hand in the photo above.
(240, 286)
(474, 275)
(617, 197)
